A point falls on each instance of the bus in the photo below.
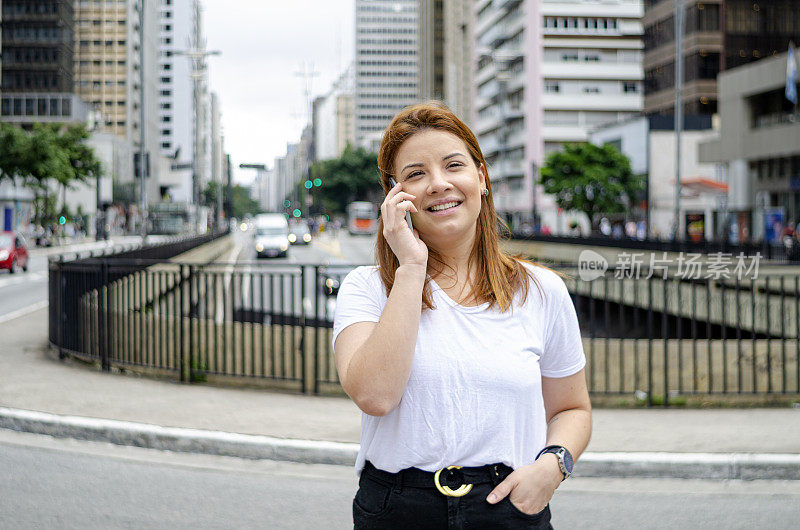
(362, 218)
(175, 218)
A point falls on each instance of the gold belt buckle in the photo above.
(445, 490)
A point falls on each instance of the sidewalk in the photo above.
(39, 393)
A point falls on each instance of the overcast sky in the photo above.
(263, 44)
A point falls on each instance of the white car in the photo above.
(272, 235)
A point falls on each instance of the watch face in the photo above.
(568, 463)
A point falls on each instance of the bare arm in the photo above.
(569, 412)
(569, 423)
(374, 360)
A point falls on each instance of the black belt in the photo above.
(453, 481)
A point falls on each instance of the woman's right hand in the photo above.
(404, 242)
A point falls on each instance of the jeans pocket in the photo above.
(372, 497)
(516, 510)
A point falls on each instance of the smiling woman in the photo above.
(473, 392)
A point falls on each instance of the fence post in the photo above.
(192, 315)
(180, 294)
(102, 315)
(60, 316)
(308, 369)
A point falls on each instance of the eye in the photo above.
(414, 174)
(454, 165)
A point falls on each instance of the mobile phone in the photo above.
(393, 182)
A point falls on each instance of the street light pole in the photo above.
(142, 126)
(678, 112)
(197, 54)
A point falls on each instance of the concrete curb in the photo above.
(708, 466)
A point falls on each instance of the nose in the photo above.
(437, 183)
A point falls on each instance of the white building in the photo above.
(176, 112)
(334, 118)
(649, 143)
(547, 72)
(386, 64)
(181, 139)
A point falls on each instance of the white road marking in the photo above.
(22, 277)
(24, 311)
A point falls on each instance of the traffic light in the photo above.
(287, 203)
(317, 182)
(308, 184)
(297, 212)
(62, 220)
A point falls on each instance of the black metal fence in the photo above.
(657, 336)
(777, 252)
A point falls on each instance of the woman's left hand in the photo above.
(531, 487)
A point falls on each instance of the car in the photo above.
(299, 234)
(272, 235)
(13, 252)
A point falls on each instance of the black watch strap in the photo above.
(565, 461)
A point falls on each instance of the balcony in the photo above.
(507, 4)
(496, 35)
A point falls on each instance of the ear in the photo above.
(482, 175)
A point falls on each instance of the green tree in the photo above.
(595, 180)
(50, 152)
(353, 176)
(242, 204)
(12, 148)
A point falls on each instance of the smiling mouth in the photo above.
(444, 207)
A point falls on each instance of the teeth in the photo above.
(444, 206)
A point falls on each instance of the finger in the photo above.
(501, 490)
(408, 206)
(394, 189)
(400, 196)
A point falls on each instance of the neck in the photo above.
(454, 253)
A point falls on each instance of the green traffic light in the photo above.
(317, 182)
(308, 184)
(287, 203)
(62, 220)
(297, 213)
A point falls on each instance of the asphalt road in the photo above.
(54, 483)
(27, 291)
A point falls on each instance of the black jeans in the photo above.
(410, 499)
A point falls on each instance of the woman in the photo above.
(467, 363)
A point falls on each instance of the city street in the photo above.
(27, 291)
(76, 484)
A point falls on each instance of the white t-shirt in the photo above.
(474, 396)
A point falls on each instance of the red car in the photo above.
(13, 252)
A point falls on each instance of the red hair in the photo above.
(500, 275)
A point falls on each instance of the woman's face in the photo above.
(436, 167)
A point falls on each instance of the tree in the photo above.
(242, 204)
(49, 152)
(595, 180)
(353, 176)
(12, 148)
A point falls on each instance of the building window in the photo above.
(591, 90)
(552, 87)
(629, 87)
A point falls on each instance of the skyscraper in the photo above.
(386, 64)
(37, 77)
(108, 71)
(718, 35)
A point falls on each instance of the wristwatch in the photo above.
(565, 461)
